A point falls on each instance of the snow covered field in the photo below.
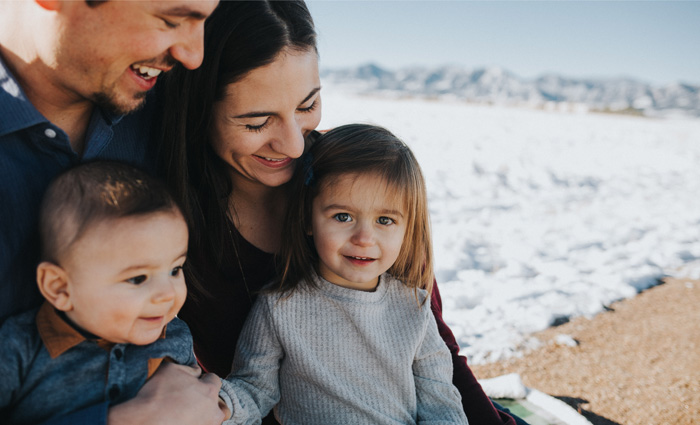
(539, 216)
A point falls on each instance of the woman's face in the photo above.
(260, 125)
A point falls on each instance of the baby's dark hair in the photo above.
(93, 192)
(357, 149)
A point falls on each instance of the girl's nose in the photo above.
(363, 235)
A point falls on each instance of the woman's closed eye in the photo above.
(258, 127)
(309, 108)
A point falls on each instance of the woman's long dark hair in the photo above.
(239, 37)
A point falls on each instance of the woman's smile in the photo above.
(260, 124)
(273, 162)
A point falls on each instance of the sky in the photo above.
(657, 42)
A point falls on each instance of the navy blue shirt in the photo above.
(32, 152)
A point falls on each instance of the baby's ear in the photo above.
(53, 285)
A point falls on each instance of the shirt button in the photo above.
(114, 392)
(50, 133)
(118, 353)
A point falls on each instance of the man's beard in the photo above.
(109, 104)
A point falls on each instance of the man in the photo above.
(69, 71)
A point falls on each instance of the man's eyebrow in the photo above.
(184, 12)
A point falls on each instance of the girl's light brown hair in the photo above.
(357, 149)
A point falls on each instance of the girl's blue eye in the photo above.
(137, 280)
(385, 221)
(342, 217)
(176, 271)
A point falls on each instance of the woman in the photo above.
(232, 132)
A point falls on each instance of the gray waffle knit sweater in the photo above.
(334, 355)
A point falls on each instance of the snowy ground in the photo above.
(539, 216)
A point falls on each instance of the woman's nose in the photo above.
(291, 140)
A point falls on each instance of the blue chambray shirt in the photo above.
(35, 387)
(32, 152)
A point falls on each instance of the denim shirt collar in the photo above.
(60, 336)
(17, 112)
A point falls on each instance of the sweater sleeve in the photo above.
(477, 405)
(251, 390)
(438, 400)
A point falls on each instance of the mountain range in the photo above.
(495, 85)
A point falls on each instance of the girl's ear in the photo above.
(53, 285)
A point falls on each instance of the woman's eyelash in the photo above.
(256, 128)
(309, 108)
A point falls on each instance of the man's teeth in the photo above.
(146, 71)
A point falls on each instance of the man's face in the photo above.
(112, 54)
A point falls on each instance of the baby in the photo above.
(113, 245)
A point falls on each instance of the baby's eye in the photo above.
(342, 217)
(385, 221)
(137, 280)
(176, 271)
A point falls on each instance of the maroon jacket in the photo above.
(477, 405)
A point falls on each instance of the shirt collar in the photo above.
(16, 111)
(59, 336)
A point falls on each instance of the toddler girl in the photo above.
(346, 335)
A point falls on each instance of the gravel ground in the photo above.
(636, 364)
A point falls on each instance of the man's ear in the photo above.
(53, 285)
(52, 5)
